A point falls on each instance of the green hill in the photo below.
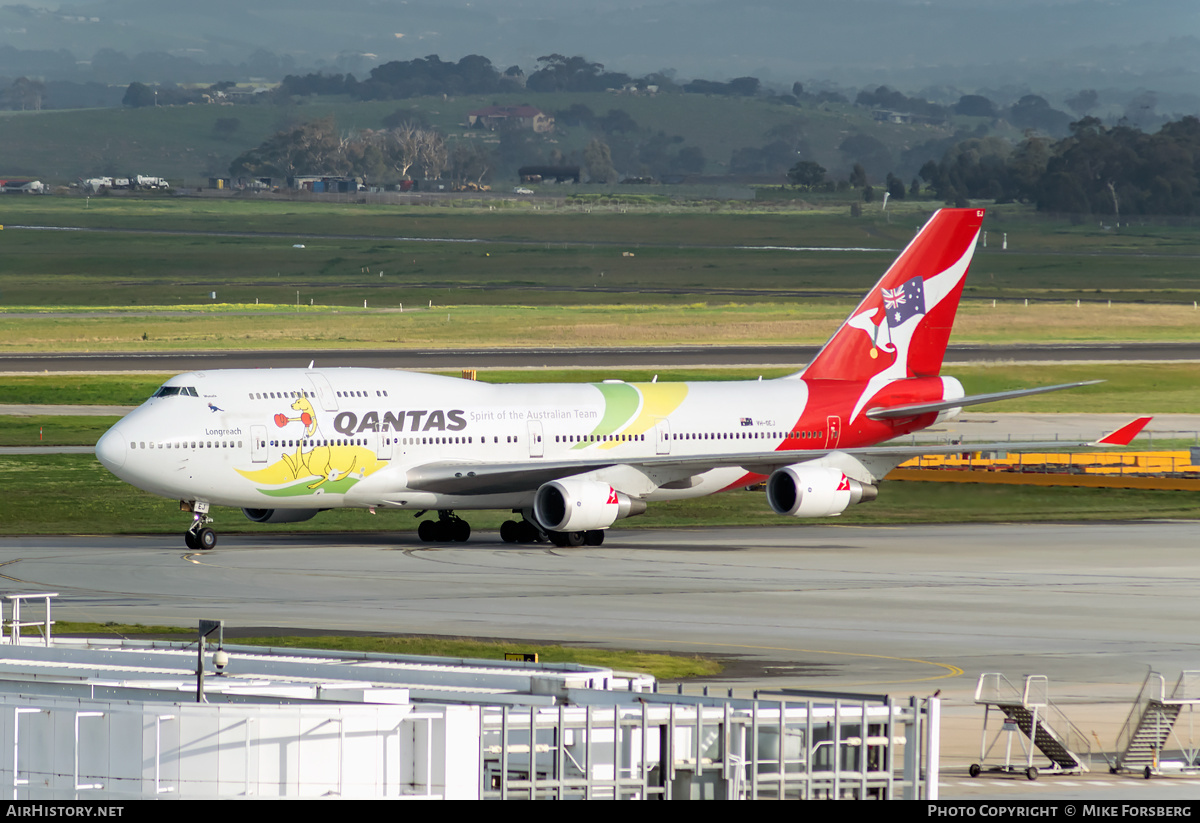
(186, 145)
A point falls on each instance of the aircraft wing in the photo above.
(467, 478)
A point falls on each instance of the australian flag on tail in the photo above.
(905, 301)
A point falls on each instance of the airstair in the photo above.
(1042, 725)
(1152, 728)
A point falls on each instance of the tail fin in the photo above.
(903, 324)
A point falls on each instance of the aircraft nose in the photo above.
(111, 450)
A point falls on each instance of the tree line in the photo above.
(318, 147)
(1115, 171)
(475, 74)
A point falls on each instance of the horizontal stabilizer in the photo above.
(913, 409)
(1124, 435)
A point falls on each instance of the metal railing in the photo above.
(10, 629)
(994, 689)
(676, 747)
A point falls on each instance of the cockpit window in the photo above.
(170, 391)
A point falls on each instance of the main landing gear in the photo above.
(448, 528)
(526, 532)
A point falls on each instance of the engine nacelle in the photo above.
(280, 515)
(580, 505)
(813, 491)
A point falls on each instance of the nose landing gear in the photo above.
(199, 536)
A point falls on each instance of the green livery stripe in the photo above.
(621, 402)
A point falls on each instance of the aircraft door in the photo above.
(325, 392)
(258, 444)
(833, 431)
(536, 448)
(386, 441)
(662, 436)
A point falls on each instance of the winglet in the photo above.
(1124, 435)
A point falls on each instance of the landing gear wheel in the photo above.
(1032, 773)
(206, 539)
(527, 533)
(446, 529)
(974, 770)
(510, 531)
(593, 537)
(189, 539)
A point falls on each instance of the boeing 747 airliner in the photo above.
(571, 459)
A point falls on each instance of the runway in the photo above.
(565, 357)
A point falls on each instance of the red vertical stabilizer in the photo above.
(903, 324)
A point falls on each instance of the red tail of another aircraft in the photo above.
(902, 326)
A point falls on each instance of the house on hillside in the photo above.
(526, 117)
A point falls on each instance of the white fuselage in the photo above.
(329, 438)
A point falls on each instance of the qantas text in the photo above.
(413, 421)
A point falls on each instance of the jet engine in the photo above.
(812, 491)
(581, 505)
(280, 515)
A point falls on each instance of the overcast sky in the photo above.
(1047, 44)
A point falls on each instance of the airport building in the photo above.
(112, 720)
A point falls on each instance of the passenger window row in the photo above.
(790, 435)
(195, 444)
(283, 395)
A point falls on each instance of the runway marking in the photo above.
(950, 670)
(9, 563)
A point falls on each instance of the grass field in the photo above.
(459, 326)
(709, 223)
(177, 251)
(661, 666)
(53, 430)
